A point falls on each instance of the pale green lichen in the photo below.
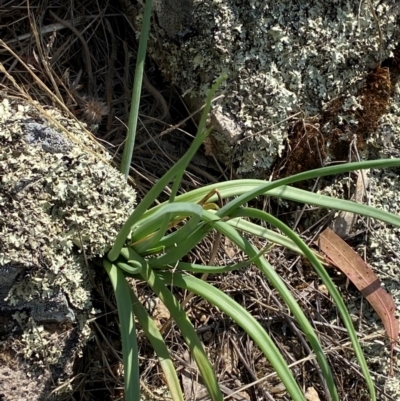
(55, 195)
(383, 245)
(386, 139)
(57, 200)
(282, 58)
(382, 252)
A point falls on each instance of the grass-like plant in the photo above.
(154, 240)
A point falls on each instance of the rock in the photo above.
(286, 62)
(59, 197)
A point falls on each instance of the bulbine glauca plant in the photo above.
(154, 240)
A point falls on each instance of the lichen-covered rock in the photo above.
(61, 204)
(382, 248)
(285, 60)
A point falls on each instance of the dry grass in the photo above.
(79, 56)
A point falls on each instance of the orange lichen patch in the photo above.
(375, 101)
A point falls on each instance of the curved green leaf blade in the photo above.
(265, 233)
(167, 177)
(249, 189)
(137, 87)
(181, 249)
(186, 328)
(323, 274)
(286, 295)
(195, 268)
(155, 222)
(128, 331)
(153, 334)
(244, 319)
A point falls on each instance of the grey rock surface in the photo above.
(59, 198)
(286, 62)
(174, 16)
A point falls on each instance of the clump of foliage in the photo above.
(154, 240)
